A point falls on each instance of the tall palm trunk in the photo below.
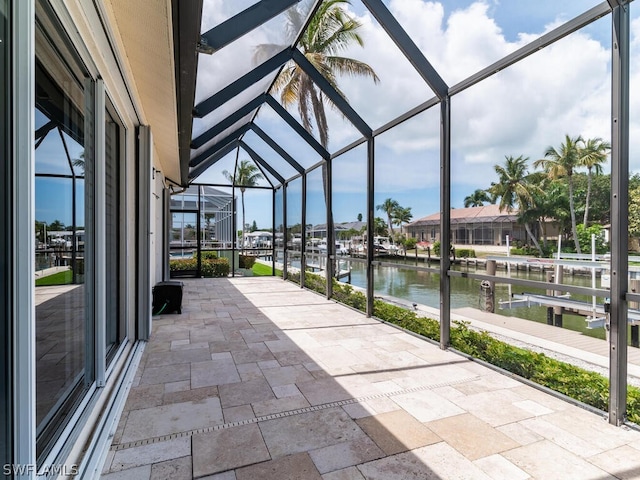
(572, 209)
(527, 227)
(586, 202)
(543, 229)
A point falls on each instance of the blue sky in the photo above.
(519, 111)
(53, 199)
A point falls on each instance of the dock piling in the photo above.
(489, 292)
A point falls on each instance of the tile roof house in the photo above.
(485, 225)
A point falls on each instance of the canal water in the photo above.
(424, 288)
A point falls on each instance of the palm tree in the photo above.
(246, 175)
(477, 199)
(592, 155)
(79, 162)
(562, 163)
(329, 32)
(402, 215)
(389, 206)
(379, 227)
(516, 191)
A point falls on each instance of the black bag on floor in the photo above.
(167, 297)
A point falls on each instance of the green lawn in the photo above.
(60, 278)
(261, 270)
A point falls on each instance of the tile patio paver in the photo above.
(292, 467)
(397, 432)
(228, 449)
(471, 436)
(259, 379)
(174, 418)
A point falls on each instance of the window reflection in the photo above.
(60, 253)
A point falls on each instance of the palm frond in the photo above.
(351, 67)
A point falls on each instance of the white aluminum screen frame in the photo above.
(23, 294)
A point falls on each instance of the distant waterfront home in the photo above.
(340, 229)
(474, 226)
(258, 239)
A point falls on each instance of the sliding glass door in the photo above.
(64, 165)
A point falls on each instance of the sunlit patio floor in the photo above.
(259, 379)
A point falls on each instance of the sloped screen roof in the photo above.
(246, 44)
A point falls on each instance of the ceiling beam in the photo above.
(227, 93)
(197, 171)
(338, 100)
(258, 159)
(187, 19)
(279, 150)
(242, 23)
(300, 130)
(201, 157)
(228, 121)
(407, 47)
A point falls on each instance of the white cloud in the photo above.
(564, 88)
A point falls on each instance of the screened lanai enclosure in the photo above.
(309, 113)
(201, 220)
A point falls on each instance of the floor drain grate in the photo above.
(289, 413)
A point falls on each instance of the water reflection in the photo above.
(424, 288)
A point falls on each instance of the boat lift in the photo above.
(596, 315)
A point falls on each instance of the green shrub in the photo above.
(246, 261)
(527, 250)
(584, 238)
(216, 267)
(410, 243)
(208, 255)
(344, 293)
(436, 248)
(465, 253)
(183, 264)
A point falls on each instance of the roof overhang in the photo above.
(187, 17)
(162, 60)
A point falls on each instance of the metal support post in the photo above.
(331, 241)
(619, 214)
(303, 233)
(273, 230)
(234, 236)
(370, 222)
(285, 270)
(445, 222)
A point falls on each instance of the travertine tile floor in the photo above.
(258, 379)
